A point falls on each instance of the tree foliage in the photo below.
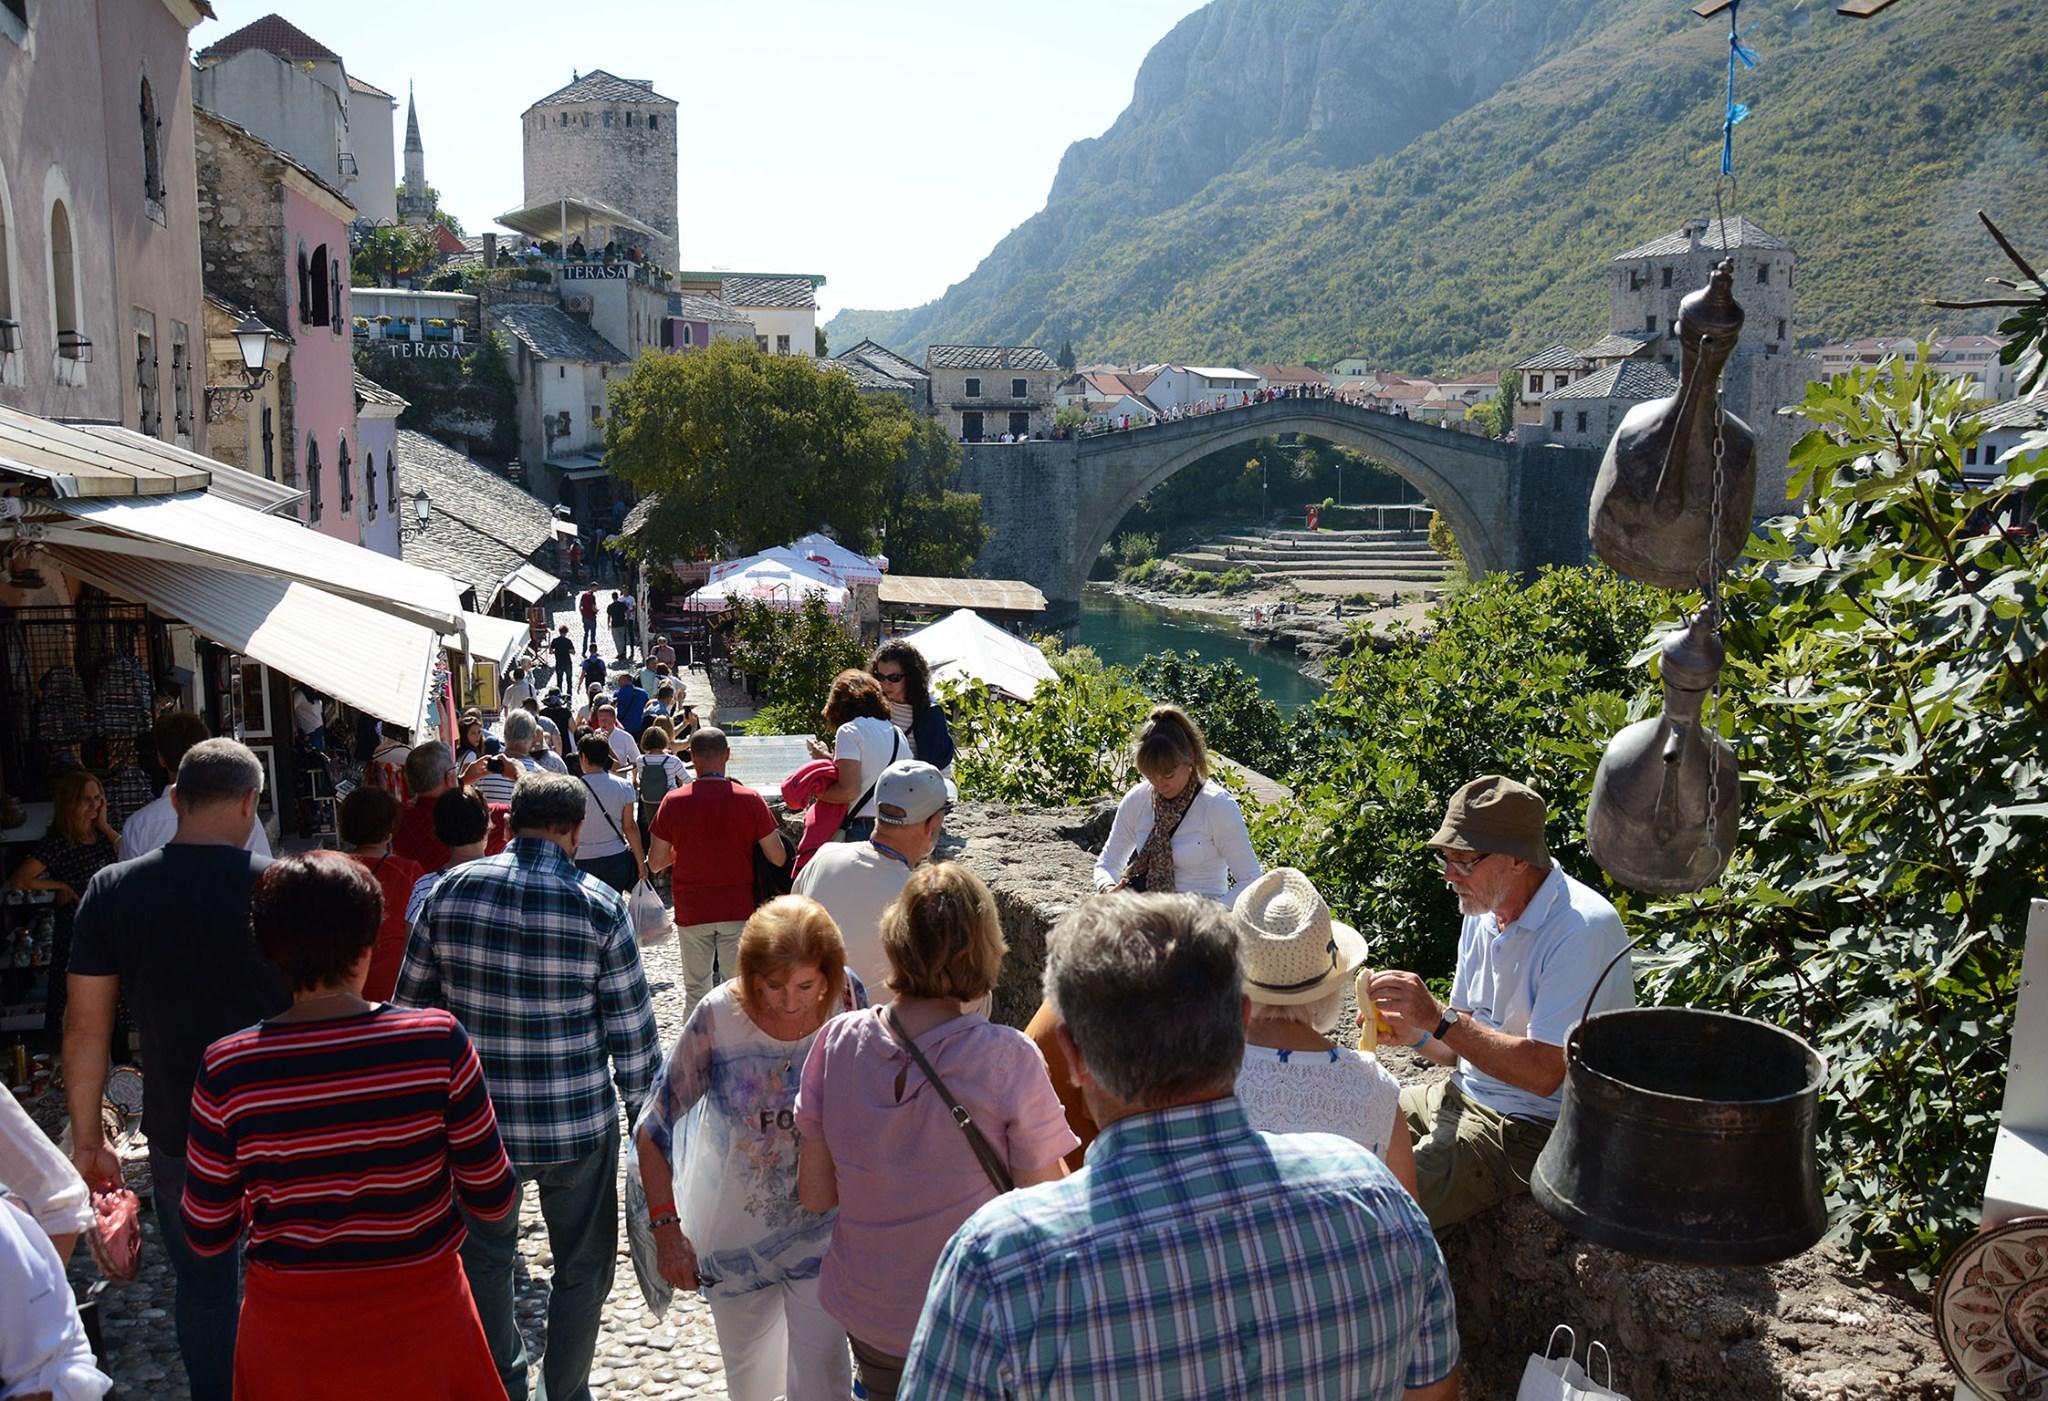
(471, 397)
(792, 656)
(388, 253)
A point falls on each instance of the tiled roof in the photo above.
(600, 86)
(272, 34)
(550, 333)
(356, 84)
(643, 510)
(2030, 412)
(1617, 345)
(794, 293)
(481, 527)
(988, 357)
(688, 306)
(368, 391)
(1624, 379)
(1741, 234)
(885, 360)
(864, 374)
(1558, 357)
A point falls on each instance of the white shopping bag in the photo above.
(1548, 1378)
(651, 923)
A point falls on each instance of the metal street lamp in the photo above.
(252, 339)
(422, 508)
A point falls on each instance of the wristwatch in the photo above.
(1450, 1020)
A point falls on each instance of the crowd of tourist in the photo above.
(1176, 1180)
(1242, 399)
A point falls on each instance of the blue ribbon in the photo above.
(1736, 111)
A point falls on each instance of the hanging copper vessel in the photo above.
(1664, 808)
(1653, 503)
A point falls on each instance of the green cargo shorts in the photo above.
(1467, 1157)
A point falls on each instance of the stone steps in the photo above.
(1430, 570)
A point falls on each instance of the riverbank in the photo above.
(1312, 632)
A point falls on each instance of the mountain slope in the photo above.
(1436, 186)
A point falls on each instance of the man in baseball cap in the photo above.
(856, 881)
(1531, 951)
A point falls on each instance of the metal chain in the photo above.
(1710, 716)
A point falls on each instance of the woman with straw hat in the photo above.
(1294, 1078)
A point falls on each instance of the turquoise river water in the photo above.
(1124, 633)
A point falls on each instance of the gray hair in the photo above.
(1319, 1015)
(545, 801)
(1151, 988)
(520, 728)
(218, 771)
(427, 765)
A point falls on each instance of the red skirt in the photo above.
(342, 1335)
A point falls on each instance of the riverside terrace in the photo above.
(1053, 504)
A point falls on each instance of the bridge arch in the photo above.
(1467, 478)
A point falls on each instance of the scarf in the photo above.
(1151, 870)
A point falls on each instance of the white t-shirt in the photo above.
(624, 747)
(855, 882)
(1338, 1091)
(1212, 850)
(154, 824)
(606, 796)
(870, 743)
(42, 1343)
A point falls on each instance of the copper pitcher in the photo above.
(1663, 814)
(1652, 515)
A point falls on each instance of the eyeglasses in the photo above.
(889, 678)
(1460, 865)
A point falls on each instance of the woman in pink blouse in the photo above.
(879, 1138)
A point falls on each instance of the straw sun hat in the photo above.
(1294, 951)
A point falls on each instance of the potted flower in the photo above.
(436, 329)
(361, 324)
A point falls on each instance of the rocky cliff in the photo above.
(1443, 184)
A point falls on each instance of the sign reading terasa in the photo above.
(596, 272)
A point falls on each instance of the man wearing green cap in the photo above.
(1532, 948)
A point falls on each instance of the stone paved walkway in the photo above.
(637, 1355)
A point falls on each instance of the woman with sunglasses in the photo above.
(906, 681)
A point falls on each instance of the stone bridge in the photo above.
(1053, 505)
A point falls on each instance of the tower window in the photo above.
(1582, 420)
(1017, 390)
(152, 148)
(1763, 274)
(1650, 321)
(1667, 277)
(653, 122)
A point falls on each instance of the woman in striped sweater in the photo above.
(344, 1133)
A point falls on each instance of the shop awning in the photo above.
(566, 215)
(206, 530)
(369, 659)
(74, 463)
(499, 640)
(244, 488)
(530, 582)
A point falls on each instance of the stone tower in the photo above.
(415, 206)
(611, 141)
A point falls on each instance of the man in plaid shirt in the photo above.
(537, 961)
(1192, 1255)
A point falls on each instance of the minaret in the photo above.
(415, 205)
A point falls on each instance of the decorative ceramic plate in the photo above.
(1991, 1311)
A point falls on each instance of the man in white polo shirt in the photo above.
(154, 823)
(856, 881)
(1533, 945)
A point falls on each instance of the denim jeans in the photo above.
(209, 1288)
(580, 1203)
(589, 635)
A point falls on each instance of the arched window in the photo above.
(71, 340)
(152, 148)
(344, 474)
(369, 486)
(317, 293)
(312, 479)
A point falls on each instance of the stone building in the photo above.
(100, 315)
(563, 371)
(985, 391)
(783, 308)
(880, 370)
(296, 93)
(1585, 413)
(613, 141)
(274, 239)
(481, 530)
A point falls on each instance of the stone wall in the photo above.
(1810, 1329)
(1027, 494)
(994, 403)
(631, 168)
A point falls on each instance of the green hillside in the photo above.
(1870, 146)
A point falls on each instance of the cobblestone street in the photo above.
(637, 1355)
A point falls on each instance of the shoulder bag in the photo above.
(895, 748)
(984, 1152)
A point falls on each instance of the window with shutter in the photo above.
(369, 486)
(344, 474)
(312, 478)
(181, 379)
(149, 413)
(269, 447)
(391, 478)
(317, 294)
(305, 287)
(334, 286)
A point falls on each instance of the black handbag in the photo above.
(771, 880)
(984, 1152)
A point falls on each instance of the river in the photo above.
(1125, 633)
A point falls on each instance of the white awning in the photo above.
(369, 659)
(566, 214)
(206, 530)
(530, 582)
(499, 640)
(242, 487)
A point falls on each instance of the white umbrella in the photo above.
(965, 646)
(783, 583)
(847, 564)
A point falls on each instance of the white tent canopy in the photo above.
(850, 565)
(499, 640)
(964, 646)
(783, 583)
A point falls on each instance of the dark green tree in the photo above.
(822, 352)
(1066, 356)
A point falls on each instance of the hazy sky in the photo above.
(885, 143)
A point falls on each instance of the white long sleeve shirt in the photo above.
(1212, 850)
(36, 1172)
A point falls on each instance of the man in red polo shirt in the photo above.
(715, 824)
(430, 772)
